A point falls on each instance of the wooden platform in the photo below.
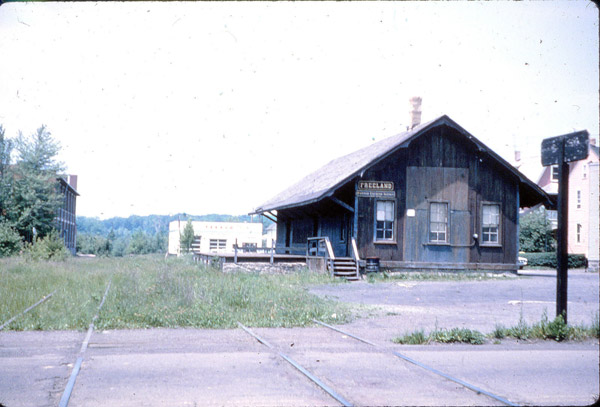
(248, 258)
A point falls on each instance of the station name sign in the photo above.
(376, 189)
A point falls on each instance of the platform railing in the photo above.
(253, 249)
(321, 246)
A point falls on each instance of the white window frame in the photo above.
(386, 221)
(498, 225)
(431, 222)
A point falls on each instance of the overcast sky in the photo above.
(215, 107)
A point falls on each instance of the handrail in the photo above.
(355, 256)
(321, 242)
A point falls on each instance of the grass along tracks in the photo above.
(149, 291)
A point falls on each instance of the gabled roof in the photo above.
(327, 179)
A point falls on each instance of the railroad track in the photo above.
(335, 394)
(64, 400)
(343, 400)
(44, 299)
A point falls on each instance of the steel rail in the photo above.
(305, 372)
(27, 310)
(64, 400)
(431, 369)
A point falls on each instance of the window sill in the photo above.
(437, 244)
(385, 242)
(490, 245)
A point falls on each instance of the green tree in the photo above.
(535, 232)
(6, 147)
(10, 241)
(140, 243)
(34, 198)
(187, 238)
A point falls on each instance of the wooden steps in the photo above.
(345, 267)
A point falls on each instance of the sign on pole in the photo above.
(562, 150)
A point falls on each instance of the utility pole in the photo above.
(562, 150)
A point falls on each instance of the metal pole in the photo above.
(562, 238)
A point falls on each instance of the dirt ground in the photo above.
(187, 367)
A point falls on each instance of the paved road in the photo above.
(187, 367)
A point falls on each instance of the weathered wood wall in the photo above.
(441, 165)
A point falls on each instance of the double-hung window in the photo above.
(384, 221)
(438, 222)
(490, 225)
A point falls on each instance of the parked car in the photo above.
(522, 262)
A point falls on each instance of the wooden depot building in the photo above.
(433, 197)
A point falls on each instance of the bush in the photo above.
(548, 259)
(50, 247)
(10, 241)
(535, 232)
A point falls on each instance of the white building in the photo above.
(215, 237)
(270, 236)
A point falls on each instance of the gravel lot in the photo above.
(398, 307)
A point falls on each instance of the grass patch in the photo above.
(460, 335)
(556, 330)
(433, 276)
(546, 330)
(415, 338)
(149, 291)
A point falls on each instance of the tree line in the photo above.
(136, 234)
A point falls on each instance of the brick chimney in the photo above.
(72, 180)
(415, 112)
(517, 156)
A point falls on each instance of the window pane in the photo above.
(438, 221)
(389, 211)
(490, 234)
(491, 214)
(384, 225)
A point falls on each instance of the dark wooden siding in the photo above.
(440, 165)
(390, 169)
(437, 184)
(447, 167)
(493, 185)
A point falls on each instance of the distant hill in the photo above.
(151, 224)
